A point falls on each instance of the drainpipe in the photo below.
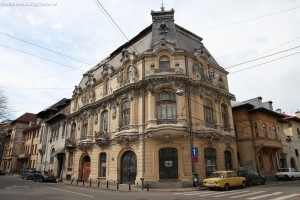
(143, 121)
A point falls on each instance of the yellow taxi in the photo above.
(224, 180)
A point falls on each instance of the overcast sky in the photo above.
(234, 31)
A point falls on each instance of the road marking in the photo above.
(266, 195)
(286, 197)
(70, 192)
(14, 186)
(243, 195)
(184, 193)
(227, 194)
(215, 192)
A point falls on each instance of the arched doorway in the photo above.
(128, 167)
(86, 164)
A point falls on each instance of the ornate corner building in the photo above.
(138, 113)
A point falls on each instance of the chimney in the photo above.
(278, 110)
(297, 113)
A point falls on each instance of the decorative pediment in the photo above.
(107, 69)
(126, 55)
(164, 44)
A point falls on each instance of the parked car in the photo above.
(44, 176)
(287, 173)
(29, 174)
(224, 180)
(252, 177)
(2, 171)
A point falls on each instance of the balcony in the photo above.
(70, 143)
(85, 143)
(166, 121)
(101, 139)
(268, 143)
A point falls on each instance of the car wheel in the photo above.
(226, 187)
(250, 183)
(292, 178)
(263, 182)
(243, 184)
(211, 189)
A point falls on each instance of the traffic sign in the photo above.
(194, 151)
(194, 159)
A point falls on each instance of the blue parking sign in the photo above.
(194, 151)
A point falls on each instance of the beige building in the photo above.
(289, 155)
(11, 161)
(29, 154)
(258, 135)
(138, 113)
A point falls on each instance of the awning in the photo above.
(62, 150)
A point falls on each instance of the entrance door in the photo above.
(168, 163)
(128, 167)
(86, 168)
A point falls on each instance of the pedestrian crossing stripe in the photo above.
(265, 195)
(286, 197)
(248, 194)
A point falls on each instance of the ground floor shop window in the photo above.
(168, 163)
(210, 161)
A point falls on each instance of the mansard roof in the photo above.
(145, 41)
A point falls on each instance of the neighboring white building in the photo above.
(290, 140)
(52, 141)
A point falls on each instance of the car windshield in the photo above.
(283, 170)
(217, 175)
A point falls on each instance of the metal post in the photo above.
(117, 186)
(98, 183)
(129, 187)
(106, 184)
(147, 187)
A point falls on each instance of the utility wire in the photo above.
(247, 20)
(112, 20)
(44, 48)
(262, 57)
(41, 58)
(264, 63)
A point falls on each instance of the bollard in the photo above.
(147, 187)
(90, 182)
(129, 186)
(98, 183)
(72, 181)
(77, 182)
(83, 182)
(117, 186)
(106, 184)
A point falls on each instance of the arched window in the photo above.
(166, 108)
(102, 170)
(84, 128)
(168, 163)
(275, 132)
(208, 111)
(52, 157)
(125, 114)
(296, 153)
(164, 62)
(64, 130)
(73, 130)
(256, 130)
(209, 161)
(265, 133)
(225, 116)
(104, 119)
(106, 87)
(228, 160)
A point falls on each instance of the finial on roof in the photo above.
(162, 6)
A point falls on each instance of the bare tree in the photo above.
(3, 105)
